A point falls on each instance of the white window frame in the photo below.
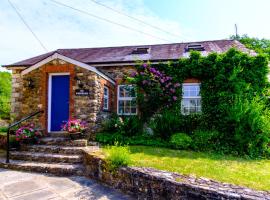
(124, 99)
(190, 97)
(106, 97)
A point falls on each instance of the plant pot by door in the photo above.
(75, 136)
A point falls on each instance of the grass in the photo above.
(240, 171)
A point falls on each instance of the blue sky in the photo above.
(60, 27)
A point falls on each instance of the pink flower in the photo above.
(176, 84)
(172, 90)
(174, 98)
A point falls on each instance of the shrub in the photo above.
(3, 129)
(250, 126)
(118, 156)
(180, 140)
(165, 124)
(112, 124)
(110, 138)
(124, 125)
(131, 126)
(203, 140)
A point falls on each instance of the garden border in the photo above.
(149, 183)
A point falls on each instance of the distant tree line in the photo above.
(5, 95)
(258, 45)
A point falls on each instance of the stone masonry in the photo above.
(26, 100)
(149, 183)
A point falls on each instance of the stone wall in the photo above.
(26, 100)
(90, 108)
(16, 94)
(148, 183)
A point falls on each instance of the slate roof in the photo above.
(123, 54)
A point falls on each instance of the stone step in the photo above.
(53, 149)
(45, 157)
(61, 141)
(58, 134)
(59, 169)
(92, 143)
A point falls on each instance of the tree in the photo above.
(5, 94)
(256, 44)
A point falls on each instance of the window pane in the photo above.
(127, 91)
(127, 103)
(105, 91)
(191, 90)
(191, 105)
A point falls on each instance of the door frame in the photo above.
(50, 96)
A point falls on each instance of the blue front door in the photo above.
(59, 101)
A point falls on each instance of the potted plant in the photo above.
(27, 134)
(75, 128)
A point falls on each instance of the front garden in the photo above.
(224, 168)
(220, 130)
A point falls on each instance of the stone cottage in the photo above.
(86, 83)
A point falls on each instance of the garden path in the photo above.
(32, 186)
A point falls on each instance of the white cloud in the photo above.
(60, 27)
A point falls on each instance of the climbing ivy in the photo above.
(232, 84)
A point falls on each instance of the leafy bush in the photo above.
(112, 124)
(5, 94)
(118, 156)
(250, 126)
(131, 126)
(3, 129)
(112, 138)
(180, 140)
(124, 125)
(165, 124)
(204, 140)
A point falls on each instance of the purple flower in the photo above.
(144, 82)
(174, 98)
(142, 73)
(133, 74)
(153, 70)
(144, 65)
(172, 90)
(177, 85)
(162, 80)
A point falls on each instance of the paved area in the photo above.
(31, 186)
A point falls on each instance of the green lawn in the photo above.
(251, 173)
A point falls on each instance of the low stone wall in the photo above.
(148, 183)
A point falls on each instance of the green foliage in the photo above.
(118, 156)
(205, 140)
(180, 140)
(229, 83)
(5, 94)
(3, 129)
(165, 124)
(125, 125)
(111, 138)
(171, 121)
(258, 45)
(249, 126)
